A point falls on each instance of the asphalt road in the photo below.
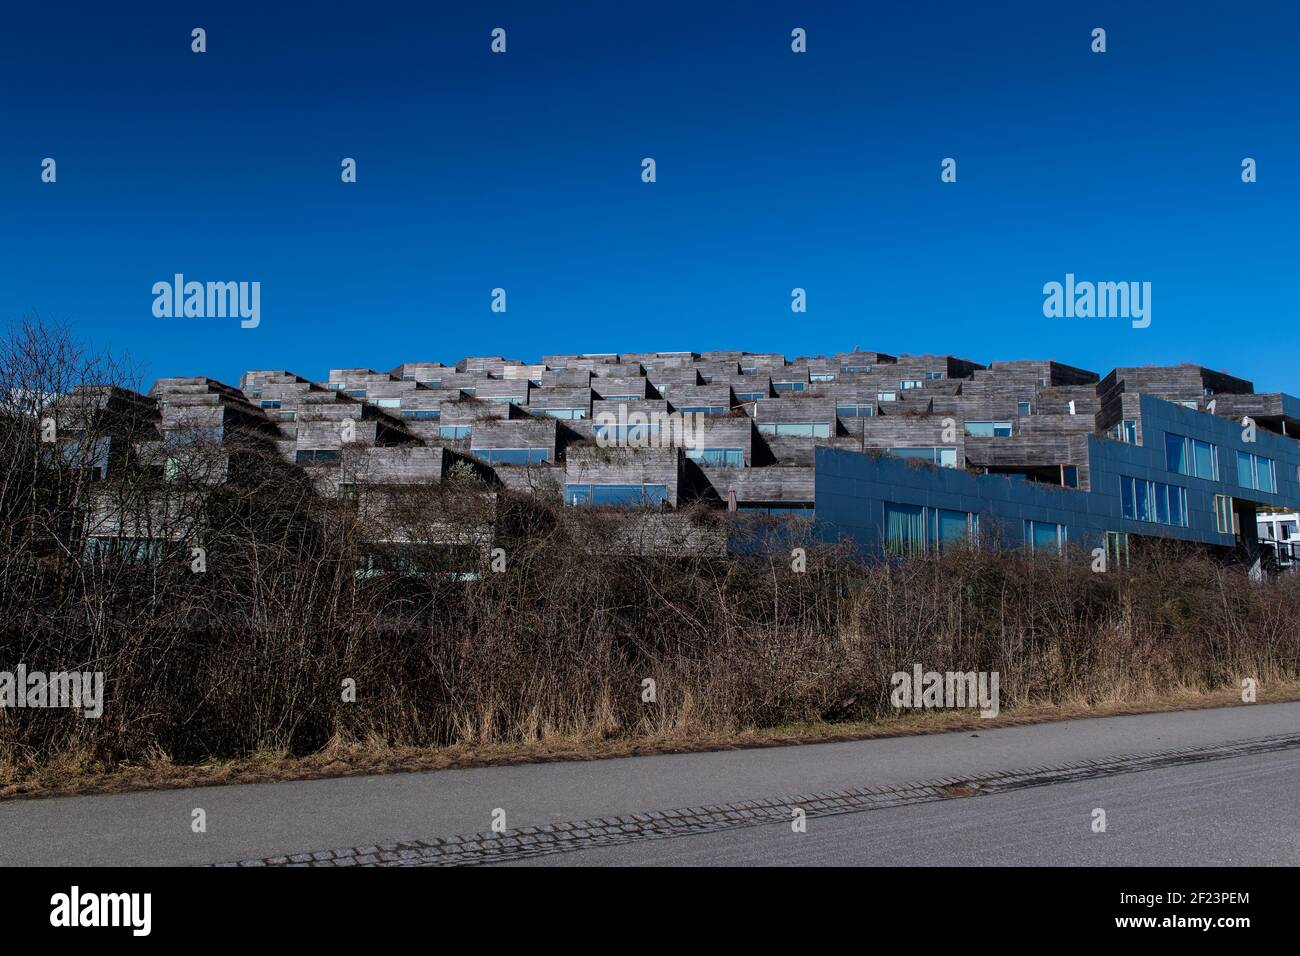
(1233, 811)
(1237, 812)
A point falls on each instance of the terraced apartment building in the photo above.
(898, 454)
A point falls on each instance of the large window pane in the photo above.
(616, 495)
(953, 527)
(1046, 537)
(1245, 470)
(904, 529)
(1206, 461)
(1176, 453)
(513, 456)
(1264, 472)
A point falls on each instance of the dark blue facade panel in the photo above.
(852, 488)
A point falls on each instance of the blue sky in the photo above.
(775, 171)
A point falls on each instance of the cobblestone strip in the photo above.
(657, 825)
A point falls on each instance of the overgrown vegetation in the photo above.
(253, 653)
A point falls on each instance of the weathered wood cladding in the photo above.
(1051, 410)
(529, 433)
(592, 465)
(512, 390)
(607, 388)
(777, 484)
(712, 396)
(560, 398)
(420, 371)
(927, 431)
(567, 378)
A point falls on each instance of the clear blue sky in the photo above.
(775, 170)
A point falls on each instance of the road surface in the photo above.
(1207, 787)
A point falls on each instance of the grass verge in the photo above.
(74, 776)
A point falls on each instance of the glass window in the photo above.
(1206, 459)
(355, 392)
(1176, 454)
(955, 528)
(1245, 469)
(822, 376)
(1264, 475)
(512, 456)
(271, 403)
(1022, 408)
(946, 457)
(904, 529)
(855, 368)
(625, 432)
(388, 402)
(1125, 431)
(565, 414)
(455, 432)
(750, 396)
(1044, 536)
(886, 396)
(1161, 494)
(718, 457)
(309, 456)
(1256, 471)
(1223, 514)
(855, 411)
(796, 429)
(422, 414)
(799, 510)
(702, 410)
(1117, 549)
(789, 386)
(907, 383)
(1153, 501)
(989, 429)
(1188, 456)
(616, 495)
(1070, 476)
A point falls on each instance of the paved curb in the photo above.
(658, 825)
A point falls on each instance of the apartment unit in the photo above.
(897, 454)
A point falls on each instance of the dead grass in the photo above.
(73, 775)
